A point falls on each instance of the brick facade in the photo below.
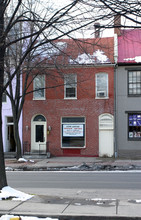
(54, 107)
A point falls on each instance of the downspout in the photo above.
(115, 92)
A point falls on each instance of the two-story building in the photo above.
(128, 94)
(71, 111)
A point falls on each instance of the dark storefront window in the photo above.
(73, 132)
(134, 126)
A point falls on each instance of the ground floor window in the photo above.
(73, 132)
(134, 126)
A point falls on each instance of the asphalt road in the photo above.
(75, 180)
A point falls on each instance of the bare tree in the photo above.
(48, 24)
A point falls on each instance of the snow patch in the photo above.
(138, 200)
(50, 50)
(97, 57)
(137, 59)
(8, 217)
(99, 199)
(8, 192)
(22, 160)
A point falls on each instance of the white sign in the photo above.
(72, 130)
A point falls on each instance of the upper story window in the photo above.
(38, 87)
(70, 89)
(102, 85)
(134, 83)
(4, 98)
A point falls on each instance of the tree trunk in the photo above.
(17, 139)
(3, 180)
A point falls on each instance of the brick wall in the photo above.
(55, 107)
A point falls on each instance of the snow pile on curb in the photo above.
(8, 192)
(12, 217)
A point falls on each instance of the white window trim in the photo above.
(66, 87)
(39, 98)
(73, 123)
(102, 97)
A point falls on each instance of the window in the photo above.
(4, 97)
(39, 118)
(73, 132)
(134, 126)
(106, 122)
(70, 82)
(134, 83)
(102, 85)
(38, 84)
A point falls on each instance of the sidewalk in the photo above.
(55, 206)
(66, 203)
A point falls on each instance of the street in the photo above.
(75, 180)
(104, 184)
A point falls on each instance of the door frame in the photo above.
(38, 147)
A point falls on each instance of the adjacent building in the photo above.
(8, 126)
(128, 94)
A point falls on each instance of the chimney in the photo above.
(97, 30)
(117, 24)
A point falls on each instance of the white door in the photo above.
(106, 135)
(38, 136)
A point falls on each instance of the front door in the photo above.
(38, 136)
(10, 141)
(106, 135)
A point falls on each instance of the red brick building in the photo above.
(73, 116)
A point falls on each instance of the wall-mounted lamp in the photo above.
(49, 128)
(26, 127)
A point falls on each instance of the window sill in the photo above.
(41, 99)
(69, 98)
(134, 96)
(101, 97)
(134, 139)
(73, 147)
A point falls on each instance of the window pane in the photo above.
(73, 132)
(39, 133)
(72, 137)
(39, 82)
(39, 118)
(73, 119)
(70, 85)
(101, 85)
(70, 92)
(134, 80)
(134, 126)
(4, 97)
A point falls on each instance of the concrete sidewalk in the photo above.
(53, 206)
